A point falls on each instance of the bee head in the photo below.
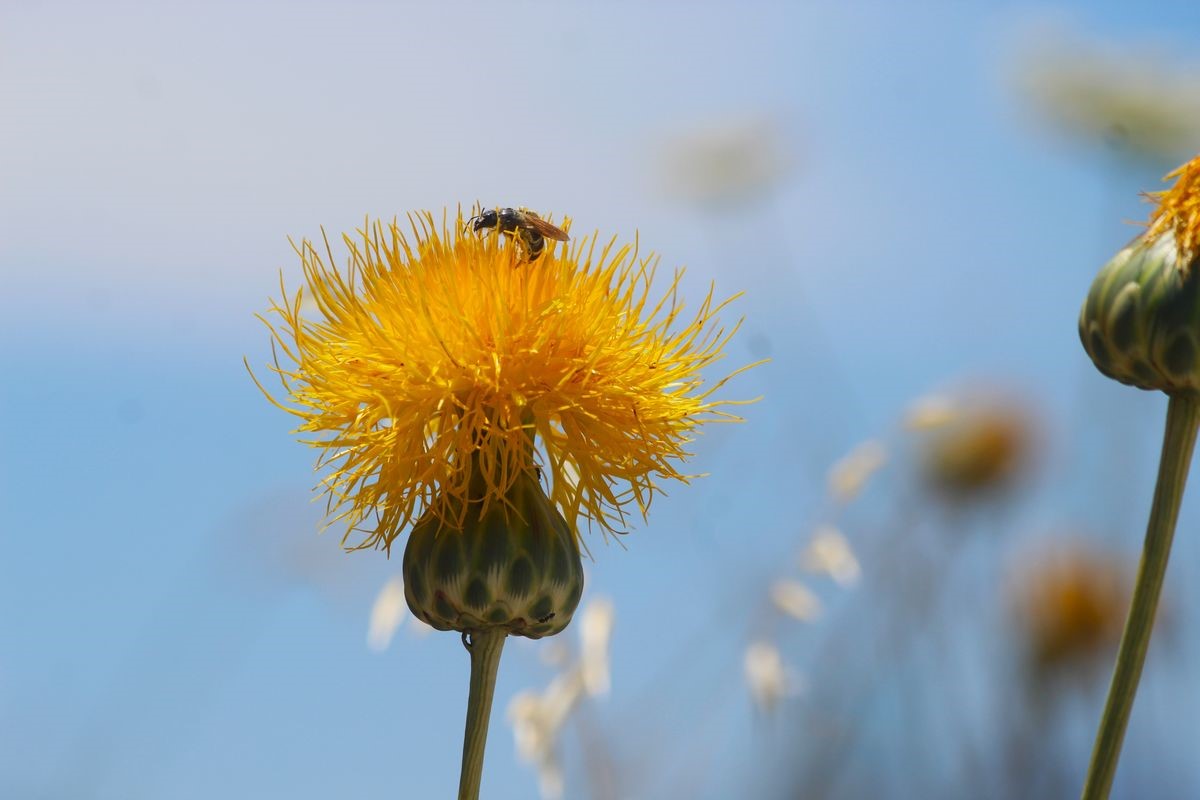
(483, 221)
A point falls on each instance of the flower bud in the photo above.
(1142, 316)
(513, 565)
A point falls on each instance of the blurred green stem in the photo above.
(1183, 418)
(485, 648)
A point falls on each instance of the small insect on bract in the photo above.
(527, 228)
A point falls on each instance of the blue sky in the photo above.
(173, 628)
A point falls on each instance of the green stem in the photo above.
(485, 647)
(1183, 418)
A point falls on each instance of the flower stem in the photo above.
(485, 647)
(1183, 418)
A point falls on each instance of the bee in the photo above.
(530, 230)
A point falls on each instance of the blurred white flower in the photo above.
(796, 600)
(830, 553)
(309, 307)
(929, 412)
(848, 476)
(1149, 103)
(769, 680)
(595, 630)
(728, 164)
(554, 653)
(537, 717)
(386, 615)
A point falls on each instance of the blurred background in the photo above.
(904, 575)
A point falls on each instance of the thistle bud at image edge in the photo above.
(1140, 324)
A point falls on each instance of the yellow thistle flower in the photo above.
(441, 360)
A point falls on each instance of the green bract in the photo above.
(515, 567)
(1141, 320)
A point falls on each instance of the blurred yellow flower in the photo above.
(1069, 602)
(441, 360)
(985, 446)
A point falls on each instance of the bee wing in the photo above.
(540, 225)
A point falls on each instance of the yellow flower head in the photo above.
(1178, 211)
(443, 360)
(1068, 602)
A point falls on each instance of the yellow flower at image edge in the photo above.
(445, 378)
